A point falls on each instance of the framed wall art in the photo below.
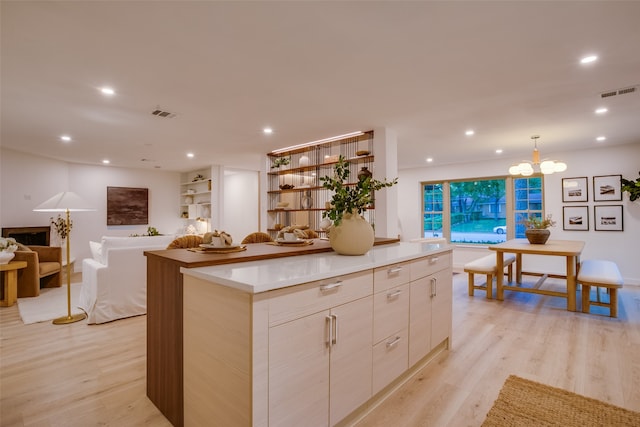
(606, 188)
(574, 189)
(575, 218)
(127, 206)
(607, 218)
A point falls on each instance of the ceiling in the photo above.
(310, 70)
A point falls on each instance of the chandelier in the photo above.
(528, 168)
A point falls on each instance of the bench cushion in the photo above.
(600, 271)
(487, 264)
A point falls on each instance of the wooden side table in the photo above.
(10, 291)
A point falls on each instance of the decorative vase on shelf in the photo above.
(306, 202)
(364, 173)
(353, 236)
(304, 161)
(537, 236)
(5, 257)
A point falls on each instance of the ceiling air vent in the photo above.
(624, 91)
(627, 90)
(162, 113)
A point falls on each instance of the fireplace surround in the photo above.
(38, 236)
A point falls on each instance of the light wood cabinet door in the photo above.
(299, 372)
(419, 319)
(351, 358)
(441, 304)
(320, 365)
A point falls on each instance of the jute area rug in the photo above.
(527, 403)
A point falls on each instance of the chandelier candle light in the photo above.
(527, 168)
(66, 202)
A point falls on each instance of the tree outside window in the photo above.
(478, 209)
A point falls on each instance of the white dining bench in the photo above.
(601, 274)
(487, 266)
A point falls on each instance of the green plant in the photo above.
(631, 187)
(151, 231)
(349, 197)
(538, 223)
(281, 161)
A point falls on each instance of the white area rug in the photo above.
(49, 305)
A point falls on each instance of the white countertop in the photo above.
(262, 276)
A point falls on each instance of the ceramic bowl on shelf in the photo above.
(286, 187)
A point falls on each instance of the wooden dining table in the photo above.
(570, 249)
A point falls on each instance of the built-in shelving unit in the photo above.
(195, 194)
(294, 192)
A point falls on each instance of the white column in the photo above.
(385, 150)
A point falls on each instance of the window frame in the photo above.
(510, 198)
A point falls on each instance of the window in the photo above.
(527, 201)
(432, 210)
(477, 211)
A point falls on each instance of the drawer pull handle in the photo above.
(433, 260)
(393, 342)
(394, 270)
(434, 287)
(331, 286)
(395, 294)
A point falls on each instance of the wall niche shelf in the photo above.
(298, 185)
(195, 194)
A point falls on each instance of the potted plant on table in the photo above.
(349, 232)
(537, 231)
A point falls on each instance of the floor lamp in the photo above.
(66, 202)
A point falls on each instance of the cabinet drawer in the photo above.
(390, 276)
(390, 312)
(389, 359)
(298, 301)
(428, 265)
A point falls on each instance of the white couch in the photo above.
(114, 281)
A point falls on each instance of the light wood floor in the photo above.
(81, 375)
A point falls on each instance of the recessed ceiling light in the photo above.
(190, 155)
(106, 161)
(601, 110)
(107, 91)
(589, 59)
(499, 151)
(429, 159)
(65, 138)
(267, 131)
(469, 132)
(601, 138)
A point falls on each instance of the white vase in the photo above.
(354, 235)
(5, 257)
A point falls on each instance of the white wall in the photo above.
(621, 247)
(27, 181)
(241, 203)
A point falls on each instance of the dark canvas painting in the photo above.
(127, 206)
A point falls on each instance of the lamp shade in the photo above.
(62, 202)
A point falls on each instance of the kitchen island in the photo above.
(311, 340)
(164, 312)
